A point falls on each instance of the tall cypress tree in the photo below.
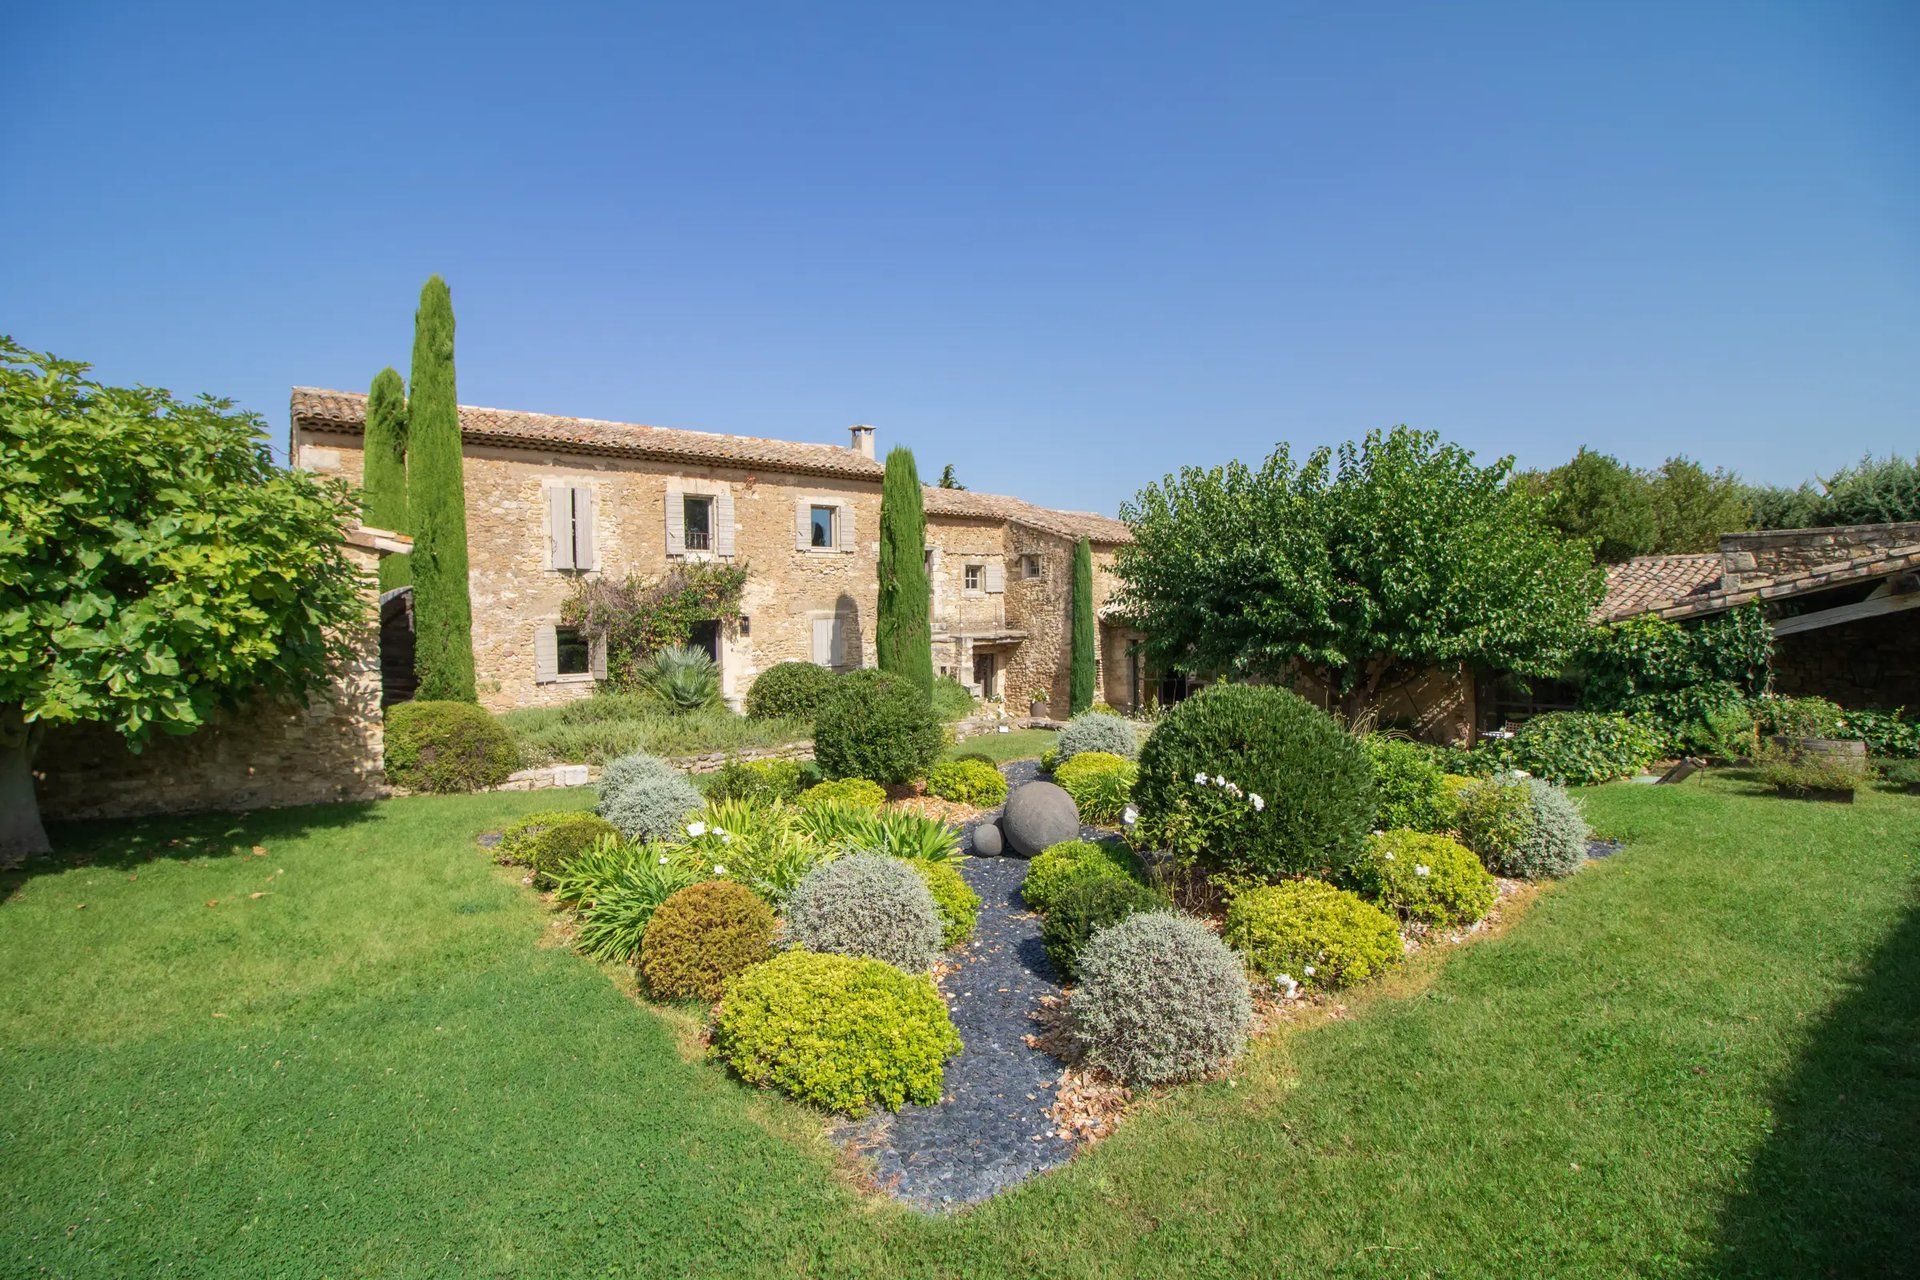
(385, 479)
(904, 632)
(1080, 673)
(442, 612)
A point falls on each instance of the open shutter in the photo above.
(802, 524)
(560, 528)
(585, 556)
(823, 633)
(996, 576)
(723, 523)
(676, 523)
(845, 524)
(546, 653)
(597, 657)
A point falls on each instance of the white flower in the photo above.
(725, 838)
(1521, 773)
(1257, 803)
(719, 831)
(1129, 815)
(663, 859)
(1220, 781)
(1420, 871)
(1234, 791)
(719, 870)
(696, 829)
(1200, 778)
(1387, 856)
(1308, 971)
(1286, 986)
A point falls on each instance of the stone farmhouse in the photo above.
(550, 499)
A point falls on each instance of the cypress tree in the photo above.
(904, 633)
(1080, 673)
(385, 480)
(442, 612)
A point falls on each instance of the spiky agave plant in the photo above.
(681, 677)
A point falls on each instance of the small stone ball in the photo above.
(986, 840)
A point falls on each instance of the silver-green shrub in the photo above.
(647, 798)
(865, 905)
(1161, 999)
(1556, 844)
(1097, 731)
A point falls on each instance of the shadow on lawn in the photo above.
(1835, 1189)
(124, 843)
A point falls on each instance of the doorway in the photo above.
(705, 636)
(986, 674)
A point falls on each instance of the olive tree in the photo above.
(1363, 568)
(155, 567)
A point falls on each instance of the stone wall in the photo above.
(1751, 557)
(1869, 663)
(1437, 706)
(268, 756)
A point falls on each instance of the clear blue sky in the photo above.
(1066, 247)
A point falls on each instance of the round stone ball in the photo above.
(1039, 816)
(986, 840)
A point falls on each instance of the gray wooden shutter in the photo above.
(845, 523)
(597, 657)
(560, 528)
(823, 635)
(723, 523)
(802, 524)
(996, 576)
(676, 523)
(840, 658)
(546, 653)
(585, 555)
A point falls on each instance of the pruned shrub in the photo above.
(1160, 1000)
(1556, 843)
(878, 726)
(515, 846)
(647, 798)
(967, 782)
(1100, 784)
(858, 792)
(1097, 731)
(1052, 869)
(1425, 877)
(702, 937)
(842, 1033)
(1407, 785)
(757, 780)
(958, 904)
(1494, 817)
(1084, 905)
(1580, 748)
(447, 747)
(789, 691)
(1287, 790)
(866, 905)
(557, 845)
(1310, 933)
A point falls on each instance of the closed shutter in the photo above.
(546, 653)
(996, 576)
(845, 523)
(560, 528)
(723, 523)
(676, 523)
(840, 656)
(597, 657)
(585, 555)
(802, 524)
(824, 630)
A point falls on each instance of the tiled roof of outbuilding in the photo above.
(1646, 583)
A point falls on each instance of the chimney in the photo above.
(862, 440)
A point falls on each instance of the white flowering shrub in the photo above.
(865, 905)
(1097, 731)
(1306, 933)
(647, 798)
(1425, 877)
(1160, 1000)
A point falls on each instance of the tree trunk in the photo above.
(21, 835)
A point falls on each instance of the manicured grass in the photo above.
(598, 729)
(1695, 1058)
(1019, 744)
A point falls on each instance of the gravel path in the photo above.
(991, 1129)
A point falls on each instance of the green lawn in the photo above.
(1696, 1058)
(1017, 744)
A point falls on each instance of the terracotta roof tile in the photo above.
(316, 409)
(1879, 562)
(1651, 582)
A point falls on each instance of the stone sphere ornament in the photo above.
(986, 840)
(1039, 816)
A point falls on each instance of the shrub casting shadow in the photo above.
(1835, 1189)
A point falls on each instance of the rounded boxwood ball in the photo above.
(986, 840)
(1039, 816)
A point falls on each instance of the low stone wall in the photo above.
(1777, 553)
(581, 775)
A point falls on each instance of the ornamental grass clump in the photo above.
(958, 904)
(1085, 905)
(1306, 933)
(700, 938)
(1256, 782)
(1097, 731)
(1052, 869)
(1430, 878)
(967, 782)
(447, 747)
(842, 1033)
(866, 905)
(1099, 782)
(647, 798)
(616, 886)
(1160, 1000)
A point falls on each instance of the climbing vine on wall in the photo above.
(640, 614)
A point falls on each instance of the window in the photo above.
(572, 655)
(971, 580)
(1029, 566)
(570, 528)
(824, 520)
(697, 515)
(746, 626)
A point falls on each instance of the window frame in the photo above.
(973, 579)
(582, 642)
(832, 511)
(706, 503)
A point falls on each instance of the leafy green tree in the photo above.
(1692, 506)
(948, 480)
(1870, 491)
(1600, 499)
(1080, 667)
(155, 568)
(385, 479)
(1405, 556)
(442, 610)
(904, 631)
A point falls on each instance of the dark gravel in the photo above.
(1603, 848)
(991, 1129)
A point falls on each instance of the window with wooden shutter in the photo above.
(844, 523)
(996, 576)
(546, 653)
(823, 633)
(723, 523)
(560, 528)
(585, 554)
(676, 523)
(802, 524)
(597, 657)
